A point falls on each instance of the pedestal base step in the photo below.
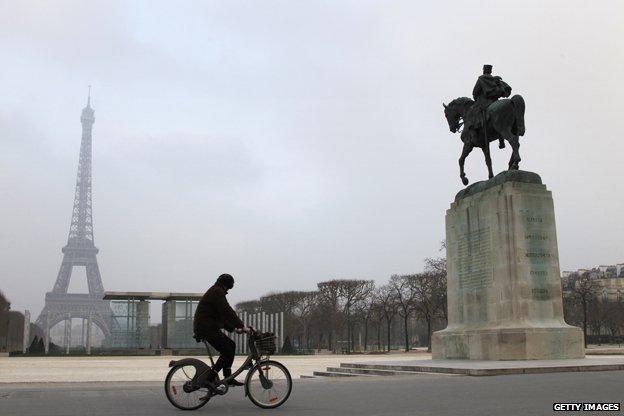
(550, 343)
(492, 368)
(330, 373)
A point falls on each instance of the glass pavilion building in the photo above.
(130, 327)
(130, 322)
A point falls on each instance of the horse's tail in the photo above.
(518, 109)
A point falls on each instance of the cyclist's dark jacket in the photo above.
(214, 312)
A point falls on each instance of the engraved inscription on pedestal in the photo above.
(474, 263)
(537, 251)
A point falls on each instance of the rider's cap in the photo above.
(226, 280)
(487, 69)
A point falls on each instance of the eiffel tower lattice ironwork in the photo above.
(80, 251)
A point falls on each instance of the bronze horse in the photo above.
(504, 119)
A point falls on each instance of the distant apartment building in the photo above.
(609, 280)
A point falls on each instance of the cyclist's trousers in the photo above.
(226, 348)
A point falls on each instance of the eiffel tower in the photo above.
(79, 251)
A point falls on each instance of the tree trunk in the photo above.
(429, 334)
(407, 346)
(585, 323)
(365, 335)
(378, 336)
(388, 321)
(348, 329)
(349, 346)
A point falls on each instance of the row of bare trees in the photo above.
(343, 313)
(600, 317)
(354, 314)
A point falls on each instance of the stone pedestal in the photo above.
(504, 289)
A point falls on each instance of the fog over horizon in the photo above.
(290, 142)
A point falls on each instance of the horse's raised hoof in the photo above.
(464, 180)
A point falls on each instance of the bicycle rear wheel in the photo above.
(268, 384)
(181, 391)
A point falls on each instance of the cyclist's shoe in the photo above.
(228, 372)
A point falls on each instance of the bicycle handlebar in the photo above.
(250, 328)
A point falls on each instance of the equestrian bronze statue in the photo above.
(489, 117)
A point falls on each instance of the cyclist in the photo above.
(213, 314)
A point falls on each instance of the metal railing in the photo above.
(261, 321)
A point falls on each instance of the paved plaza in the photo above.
(424, 394)
(134, 386)
(86, 369)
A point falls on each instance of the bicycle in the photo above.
(191, 383)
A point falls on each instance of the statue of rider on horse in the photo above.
(491, 116)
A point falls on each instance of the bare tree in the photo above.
(329, 298)
(614, 316)
(572, 310)
(584, 289)
(350, 293)
(322, 321)
(304, 306)
(249, 306)
(405, 295)
(377, 316)
(437, 264)
(437, 267)
(430, 288)
(283, 302)
(279, 301)
(386, 301)
(596, 309)
(365, 310)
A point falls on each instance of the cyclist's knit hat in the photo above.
(226, 280)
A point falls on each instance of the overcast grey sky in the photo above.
(289, 142)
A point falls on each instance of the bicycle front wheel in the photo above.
(268, 384)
